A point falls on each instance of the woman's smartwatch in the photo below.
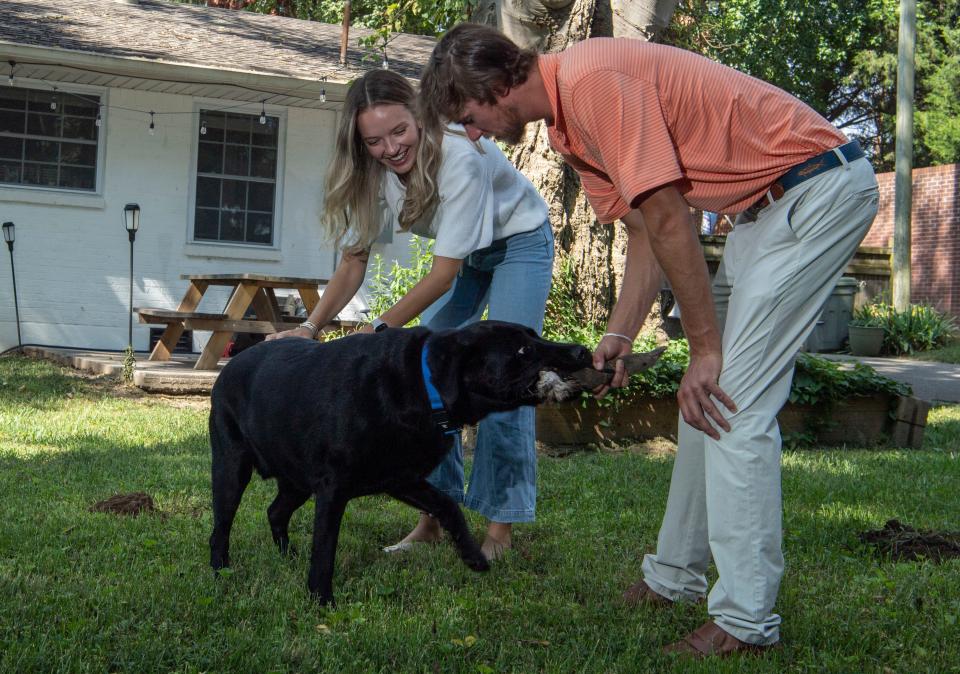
(378, 325)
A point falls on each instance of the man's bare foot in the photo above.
(427, 531)
(498, 540)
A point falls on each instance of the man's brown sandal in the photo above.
(711, 640)
(642, 594)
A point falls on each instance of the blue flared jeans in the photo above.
(511, 280)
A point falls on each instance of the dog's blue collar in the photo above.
(439, 412)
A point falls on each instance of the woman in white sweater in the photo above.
(493, 250)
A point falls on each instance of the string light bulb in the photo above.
(203, 127)
(323, 91)
(99, 121)
(385, 65)
(152, 128)
(263, 111)
(13, 64)
(53, 101)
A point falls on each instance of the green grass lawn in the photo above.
(86, 592)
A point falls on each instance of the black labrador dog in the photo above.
(368, 414)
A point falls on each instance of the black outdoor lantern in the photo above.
(9, 234)
(131, 221)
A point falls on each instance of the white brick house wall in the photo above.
(72, 252)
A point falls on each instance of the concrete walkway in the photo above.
(934, 382)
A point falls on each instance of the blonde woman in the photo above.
(493, 250)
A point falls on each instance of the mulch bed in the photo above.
(904, 543)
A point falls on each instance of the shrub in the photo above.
(918, 328)
(388, 286)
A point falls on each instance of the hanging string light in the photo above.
(13, 65)
(152, 127)
(53, 101)
(386, 64)
(263, 111)
(203, 127)
(323, 91)
(99, 121)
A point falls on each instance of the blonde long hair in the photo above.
(351, 212)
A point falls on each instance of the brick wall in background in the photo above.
(935, 234)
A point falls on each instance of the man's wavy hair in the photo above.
(471, 62)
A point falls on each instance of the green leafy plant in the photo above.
(869, 316)
(919, 328)
(818, 380)
(389, 285)
(129, 365)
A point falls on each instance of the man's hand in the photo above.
(609, 349)
(698, 385)
(296, 332)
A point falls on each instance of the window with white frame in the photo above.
(48, 138)
(236, 177)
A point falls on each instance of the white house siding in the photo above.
(72, 252)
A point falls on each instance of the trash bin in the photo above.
(832, 327)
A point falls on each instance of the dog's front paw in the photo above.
(476, 561)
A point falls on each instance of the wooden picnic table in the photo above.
(249, 290)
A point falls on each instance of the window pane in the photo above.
(236, 161)
(214, 122)
(206, 224)
(79, 128)
(264, 163)
(13, 98)
(261, 197)
(44, 125)
(12, 122)
(78, 153)
(40, 174)
(259, 227)
(40, 101)
(10, 172)
(11, 148)
(42, 150)
(234, 195)
(208, 192)
(232, 226)
(78, 178)
(83, 105)
(238, 128)
(266, 134)
(210, 158)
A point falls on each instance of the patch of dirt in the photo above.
(133, 504)
(904, 543)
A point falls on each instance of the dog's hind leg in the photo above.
(326, 530)
(428, 498)
(232, 465)
(281, 510)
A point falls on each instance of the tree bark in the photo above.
(597, 251)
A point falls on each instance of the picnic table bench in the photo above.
(254, 291)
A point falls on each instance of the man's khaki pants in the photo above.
(776, 273)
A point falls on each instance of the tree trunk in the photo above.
(596, 251)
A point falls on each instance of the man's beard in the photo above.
(516, 128)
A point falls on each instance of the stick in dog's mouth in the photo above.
(554, 387)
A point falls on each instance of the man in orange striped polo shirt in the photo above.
(653, 130)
